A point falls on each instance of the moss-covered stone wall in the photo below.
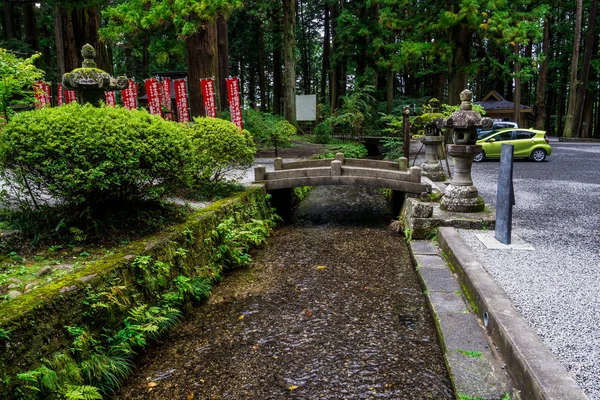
(33, 325)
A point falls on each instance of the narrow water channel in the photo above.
(330, 309)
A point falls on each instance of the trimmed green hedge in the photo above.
(84, 155)
(79, 334)
(220, 148)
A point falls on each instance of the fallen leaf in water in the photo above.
(152, 384)
(320, 267)
(293, 387)
(241, 317)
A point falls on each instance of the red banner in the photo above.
(153, 94)
(59, 95)
(208, 94)
(129, 96)
(111, 99)
(181, 100)
(165, 89)
(70, 96)
(235, 108)
(41, 91)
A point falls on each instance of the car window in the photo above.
(506, 135)
(523, 135)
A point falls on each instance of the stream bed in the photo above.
(331, 308)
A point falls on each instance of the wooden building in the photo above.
(500, 109)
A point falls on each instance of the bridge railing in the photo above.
(343, 171)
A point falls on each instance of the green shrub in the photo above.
(323, 132)
(221, 148)
(269, 130)
(350, 150)
(86, 157)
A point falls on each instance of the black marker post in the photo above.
(505, 199)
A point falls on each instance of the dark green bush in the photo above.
(86, 157)
(269, 130)
(350, 150)
(221, 148)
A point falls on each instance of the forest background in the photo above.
(538, 53)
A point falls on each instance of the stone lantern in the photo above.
(432, 168)
(461, 195)
(89, 81)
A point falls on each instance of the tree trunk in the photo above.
(305, 59)
(9, 21)
(587, 115)
(326, 53)
(223, 70)
(540, 106)
(201, 63)
(70, 44)
(570, 129)
(261, 68)
(59, 41)
(277, 63)
(517, 96)
(334, 85)
(30, 21)
(591, 47)
(289, 110)
(462, 36)
(389, 103)
(92, 22)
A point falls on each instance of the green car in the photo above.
(528, 143)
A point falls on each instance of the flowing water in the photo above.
(330, 309)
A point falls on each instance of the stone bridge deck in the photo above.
(343, 171)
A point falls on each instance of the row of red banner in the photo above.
(159, 98)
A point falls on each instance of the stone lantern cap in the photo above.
(464, 122)
(466, 118)
(90, 78)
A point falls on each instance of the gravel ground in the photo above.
(556, 286)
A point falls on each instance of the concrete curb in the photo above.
(530, 363)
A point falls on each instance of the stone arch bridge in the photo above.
(396, 176)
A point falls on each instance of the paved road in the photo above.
(557, 286)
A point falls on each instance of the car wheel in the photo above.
(479, 157)
(538, 155)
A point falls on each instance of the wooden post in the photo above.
(406, 131)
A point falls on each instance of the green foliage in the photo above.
(351, 120)
(472, 354)
(88, 157)
(269, 130)
(350, 150)
(231, 242)
(300, 192)
(17, 77)
(394, 148)
(324, 131)
(4, 334)
(220, 147)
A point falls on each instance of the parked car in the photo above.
(528, 143)
(497, 125)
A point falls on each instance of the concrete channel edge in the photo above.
(529, 362)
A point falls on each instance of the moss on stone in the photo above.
(36, 320)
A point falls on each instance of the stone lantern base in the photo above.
(461, 195)
(432, 168)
